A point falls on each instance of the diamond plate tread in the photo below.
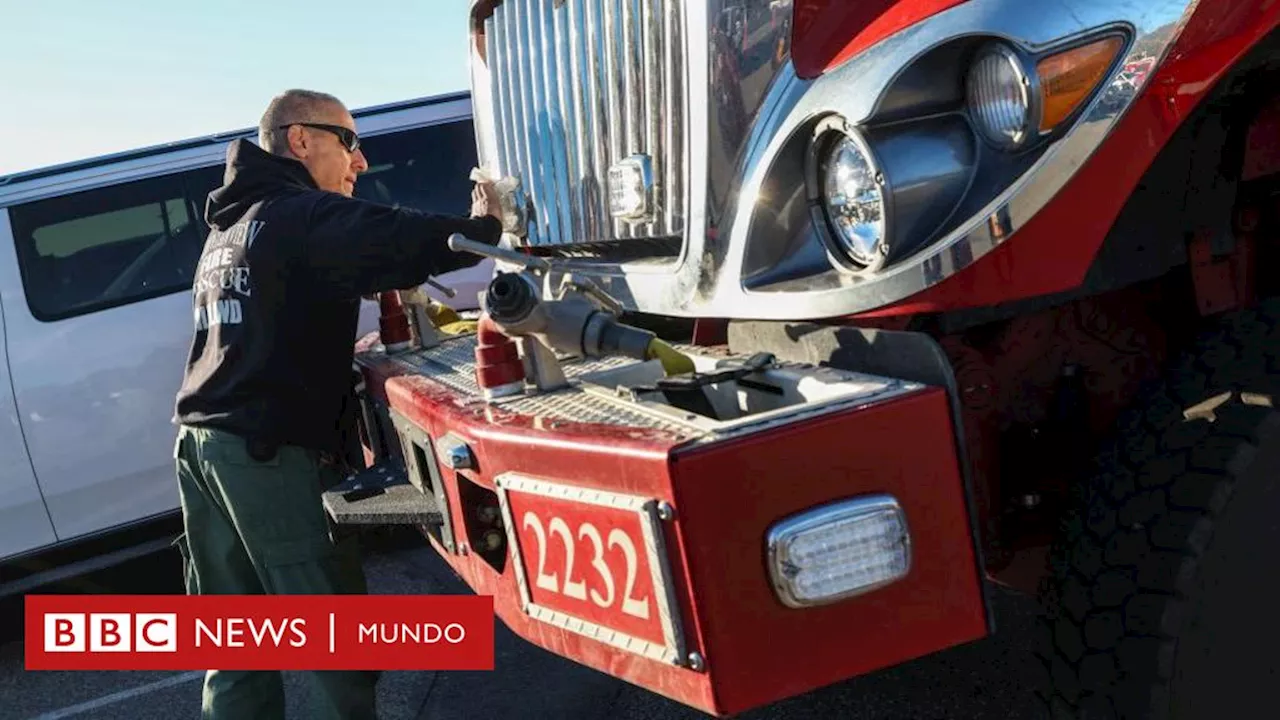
(452, 364)
(577, 406)
(392, 500)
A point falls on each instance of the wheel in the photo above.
(1161, 597)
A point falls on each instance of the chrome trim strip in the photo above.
(702, 287)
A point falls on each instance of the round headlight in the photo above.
(853, 195)
(1002, 100)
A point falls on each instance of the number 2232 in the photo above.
(578, 589)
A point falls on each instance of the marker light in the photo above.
(838, 551)
(1000, 97)
(1011, 103)
(1067, 78)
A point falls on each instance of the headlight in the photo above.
(1002, 97)
(853, 193)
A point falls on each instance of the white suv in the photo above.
(96, 264)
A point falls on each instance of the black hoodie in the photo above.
(277, 293)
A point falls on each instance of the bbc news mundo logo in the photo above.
(248, 632)
(110, 632)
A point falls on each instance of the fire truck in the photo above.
(813, 320)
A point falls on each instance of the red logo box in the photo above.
(259, 632)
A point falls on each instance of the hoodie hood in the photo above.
(251, 175)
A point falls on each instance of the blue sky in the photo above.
(87, 77)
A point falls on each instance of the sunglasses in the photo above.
(348, 137)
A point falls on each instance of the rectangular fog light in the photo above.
(839, 550)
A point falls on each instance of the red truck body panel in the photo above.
(764, 651)
(828, 32)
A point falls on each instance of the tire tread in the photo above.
(1128, 551)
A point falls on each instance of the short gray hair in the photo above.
(291, 106)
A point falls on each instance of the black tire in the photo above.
(1163, 591)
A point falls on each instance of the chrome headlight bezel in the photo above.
(827, 135)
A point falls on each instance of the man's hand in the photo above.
(484, 201)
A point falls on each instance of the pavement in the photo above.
(986, 679)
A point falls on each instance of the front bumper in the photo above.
(634, 540)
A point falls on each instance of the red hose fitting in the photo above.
(499, 369)
(393, 323)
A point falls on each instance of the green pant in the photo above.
(259, 527)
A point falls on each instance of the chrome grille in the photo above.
(578, 86)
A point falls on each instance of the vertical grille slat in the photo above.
(651, 18)
(496, 50)
(598, 134)
(632, 90)
(522, 91)
(611, 39)
(539, 46)
(673, 104)
(556, 126)
(572, 74)
(578, 86)
(568, 134)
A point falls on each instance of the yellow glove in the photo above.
(441, 314)
(448, 321)
(673, 361)
(458, 327)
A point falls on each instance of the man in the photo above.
(276, 299)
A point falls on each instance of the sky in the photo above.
(88, 77)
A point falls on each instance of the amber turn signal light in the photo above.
(1067, 78)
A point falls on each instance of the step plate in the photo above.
(381, 495)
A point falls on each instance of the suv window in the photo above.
(110, 246)
(425, 168)
(124, 243)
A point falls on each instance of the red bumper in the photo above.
(637, 546)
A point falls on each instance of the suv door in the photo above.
(98, 312)
(24, 521)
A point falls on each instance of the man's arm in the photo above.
(356, 247)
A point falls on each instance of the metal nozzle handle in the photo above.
(458, 243)
(448, 291)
